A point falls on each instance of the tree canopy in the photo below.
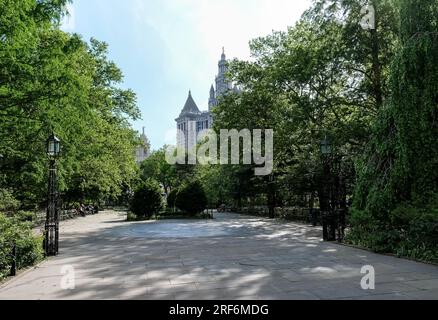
(325, 77)
(53, 81)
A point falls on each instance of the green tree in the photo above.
(396, 188)
(324, 76)
(54, 81)
(156, 167)
(147, 200)
(216, 182)
(191, 198)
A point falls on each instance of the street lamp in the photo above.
(53, 146)
(326, 147)
(51, 240)
(271, 196)
(327, 151)
(328, 216)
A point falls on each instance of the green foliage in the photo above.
(132, 217)
(410, 230)
(216, 181)
(156, 167)
(191, 198)
(25, 216)
(325, 76)
(54, 81)
(29, 246)
(398, 172)
(7, 201)
(147, 200)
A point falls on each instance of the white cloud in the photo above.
(229, 23)
(69, 21)
(233, 23)
(200, 28)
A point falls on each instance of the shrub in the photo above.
(147, 200)
(191, 198)
(25, 216)
(131, 217)
(408, 231)
(7, 201)
(29, 246)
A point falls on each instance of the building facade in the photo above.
(143, 151)
(202, 120)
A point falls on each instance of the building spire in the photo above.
(212, 100)
(190, 107)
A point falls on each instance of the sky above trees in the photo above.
(167, 47)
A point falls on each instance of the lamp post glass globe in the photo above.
(53, 146)
(326, 146)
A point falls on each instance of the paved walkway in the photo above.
(232, 257)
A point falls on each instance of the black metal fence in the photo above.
(64, 214)
(304, 215)
(13, 272)
(334, 224)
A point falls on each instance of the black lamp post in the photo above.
(51, 240)
(326, 151)
(271, 196)
(327, 210)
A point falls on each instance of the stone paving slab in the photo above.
(231, 257)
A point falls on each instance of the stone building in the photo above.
(143, 151)
(202, 120)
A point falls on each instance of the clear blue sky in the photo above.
(166, 47)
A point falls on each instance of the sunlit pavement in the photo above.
(231, 257)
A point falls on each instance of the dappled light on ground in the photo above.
(231, 257)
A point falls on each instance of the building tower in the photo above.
(143, 151)
(222, 85)
(212, 102)
(189, 115)
(191, 118)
